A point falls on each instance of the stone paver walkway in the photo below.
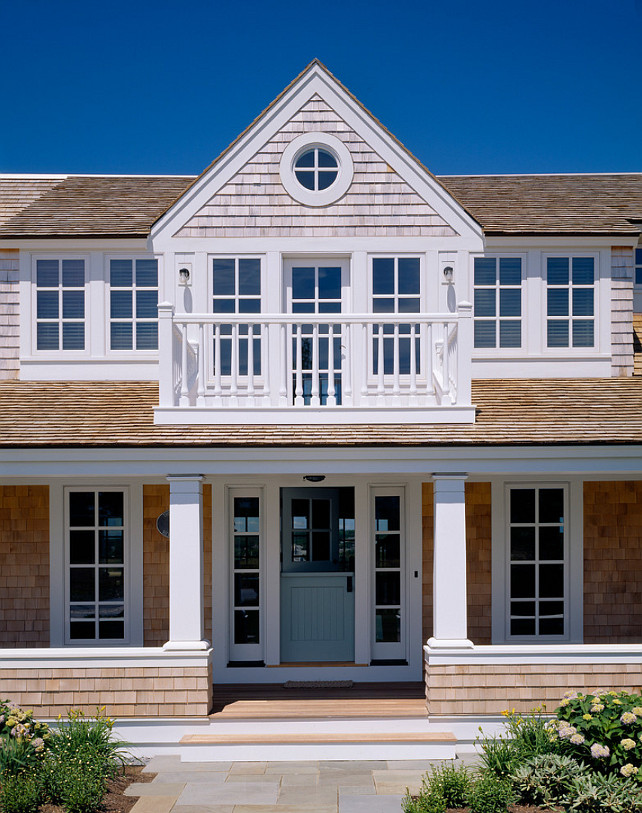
(276, 787)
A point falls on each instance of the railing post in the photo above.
(464, 353)
(166, 355)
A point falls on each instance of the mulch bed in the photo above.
(511, 809)
(115, 801)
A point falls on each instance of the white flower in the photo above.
(628, 770)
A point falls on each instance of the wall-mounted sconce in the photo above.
(183, 276)
(314, 478)
(449, 272)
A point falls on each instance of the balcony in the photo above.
(314, 368)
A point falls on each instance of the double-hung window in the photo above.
(236, 289)
(396, 289)
(570, 302)
(498, 302)
(638, 267)
(60, 304)
(133, 301)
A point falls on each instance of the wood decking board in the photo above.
(309, 738)
(274, 702)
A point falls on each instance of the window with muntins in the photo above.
(396, 288)
(96, 565)
(246, 569)
(570, 301)
(638, 267)
(60, 304)
(236, 289)
(498, 302)
(537, 539)
(316, 169)
(133, 303)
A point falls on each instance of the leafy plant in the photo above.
(20, 793)
(603, 728)
(92, 736)
(596, 793)
(545, 779)
(429, 800)
(490, 795)
(451, 782)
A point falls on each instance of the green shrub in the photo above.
(91, 736)
(23, 740)
(596, 793)
(604, 729)
(20, 793)
(490, 795)
(429, 800)
(546, 778)
(526, 736)
(451, 782)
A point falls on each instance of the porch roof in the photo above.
(509, 411)
(128, 206)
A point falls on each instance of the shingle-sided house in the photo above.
(317, 414)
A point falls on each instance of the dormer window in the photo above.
(316, 169)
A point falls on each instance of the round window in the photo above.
(316, 169)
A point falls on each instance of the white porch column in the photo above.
(449, 571)
(186, 563)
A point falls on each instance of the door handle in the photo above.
(349, 584)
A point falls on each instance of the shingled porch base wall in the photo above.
(491, 689)
(124, 691)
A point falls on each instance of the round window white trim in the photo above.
(337, 189)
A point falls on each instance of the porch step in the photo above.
(309, 738)
(322, 709)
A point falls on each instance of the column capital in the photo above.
(449, 475)
(183, 477)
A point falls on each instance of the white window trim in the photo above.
(390, 650)
(599, 307)
(504, 352)
(259, 380)
(246, 652)
(573, 578)
(59, 561)
(336, 190)
(126, 355)
(32, 316)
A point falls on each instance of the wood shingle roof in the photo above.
(99, 206)
(509, 412)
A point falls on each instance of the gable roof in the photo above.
(552, 204)
(120, 414)
(93, 206)
(101, 206)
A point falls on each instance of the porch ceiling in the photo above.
(509, 412)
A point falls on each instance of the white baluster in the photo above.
(366, 335)
(250, 364)
(298, 391)
(445, 366)
(200, 391)
(166, 355)
(332, 401)
(234, 370)
(184, 377)
(380, 382)
(285, 375)
(428, 351)
(264, 344)
(314, 399)
(396, 360)
(218, 390)
(346, 339)
(413, 365)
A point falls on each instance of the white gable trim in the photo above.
(316, 81)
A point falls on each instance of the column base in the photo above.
(450, 643)
(186, 646)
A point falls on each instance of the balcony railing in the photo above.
(339, 368)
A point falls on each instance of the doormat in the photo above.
(318, 684)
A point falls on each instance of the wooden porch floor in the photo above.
(276, 702)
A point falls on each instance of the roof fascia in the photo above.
(316, 80)
(543, 241)
(67, 243)
(587, 461)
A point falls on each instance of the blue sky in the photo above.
(133, 86)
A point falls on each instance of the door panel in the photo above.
(317, 598)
